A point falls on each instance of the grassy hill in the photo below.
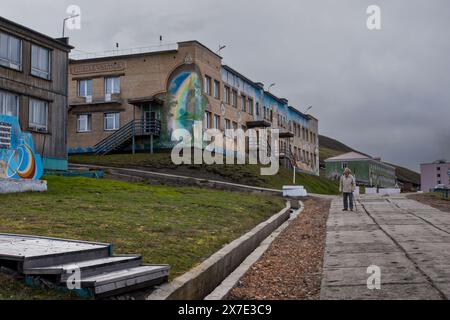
(330, 148)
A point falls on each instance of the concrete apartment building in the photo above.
(33, 88)
(433, 174)
(370, 172)
(137, 100)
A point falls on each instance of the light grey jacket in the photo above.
(347, 184)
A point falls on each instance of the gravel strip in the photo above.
(435, 202)
(291, 269)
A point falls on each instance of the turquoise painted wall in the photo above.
(55, 164)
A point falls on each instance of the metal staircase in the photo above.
(124, 136)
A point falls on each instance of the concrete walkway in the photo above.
(407, 240)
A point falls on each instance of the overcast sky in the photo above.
(386, 93)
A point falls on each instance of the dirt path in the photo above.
(292, 267)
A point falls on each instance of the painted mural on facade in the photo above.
(186, 102)
(18, 159)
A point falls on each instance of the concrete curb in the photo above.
(166, 177)
(222, 291)
(203, 279)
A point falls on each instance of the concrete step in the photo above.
(31, 251)
(87, 268)
(111, 283)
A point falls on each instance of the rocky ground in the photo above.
(432, 200)
(292, 266)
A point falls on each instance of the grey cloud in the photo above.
(391, 86)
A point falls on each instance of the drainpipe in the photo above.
(134, 123)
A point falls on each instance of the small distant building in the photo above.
(432, 174)
(368, 171)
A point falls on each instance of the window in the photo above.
(10, 51)
(9, 104)
(216, 121)
(207, 120)
(208, 85)
(234, 98)
(243, 103)
(235, 125)
(258, 112)
(40, 62)
(85, 88)
(112, 85)
(227, 95)
(112, 121)
(438, 175)
(250, 105)
(83, 123)
(227, 124)
(38, 114)
(216, 89)
(438, 168)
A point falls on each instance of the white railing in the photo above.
(121, 52)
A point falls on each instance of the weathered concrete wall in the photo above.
(203, 279)
(15, 186)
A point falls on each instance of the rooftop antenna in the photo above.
(221, 47)
(309, 108)
(64, 22)
(117, 47)
(271, 86)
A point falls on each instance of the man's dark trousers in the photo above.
(348, 200)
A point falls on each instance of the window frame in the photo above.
(4, 98)
(243, 103)
(84, 95)
(116, 121)
(40, 73)
(32, 124)
(112, 85)
(88, 122)
(227, 95)
(7, 62)
(216, 121)
(251, 105)
(216, 89)
(207, 120)
(207, 85)
(234, 98)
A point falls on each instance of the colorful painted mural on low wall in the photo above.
(18, 159)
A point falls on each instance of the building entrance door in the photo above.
(149, 117)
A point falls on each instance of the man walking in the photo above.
(347, 186)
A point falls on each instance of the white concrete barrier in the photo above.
(294, 191)
(371, 190)
(389, 191)
(16, 186)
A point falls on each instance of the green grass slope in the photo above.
(242, 174)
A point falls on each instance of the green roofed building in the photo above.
(370, 172)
